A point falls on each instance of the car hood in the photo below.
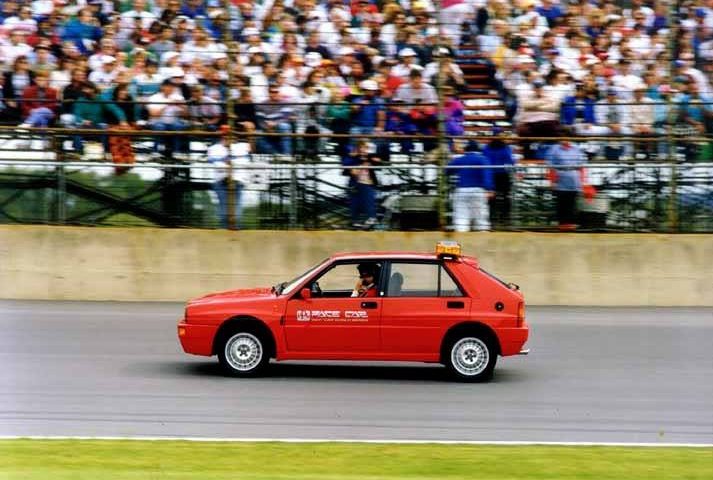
(242, 293)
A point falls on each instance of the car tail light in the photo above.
(520, 314)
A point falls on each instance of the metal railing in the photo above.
(650, 193)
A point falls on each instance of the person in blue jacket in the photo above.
(83, 31)
(473, 189)
(578, 110)
(499, 155)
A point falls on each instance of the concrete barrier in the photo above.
(70, 263)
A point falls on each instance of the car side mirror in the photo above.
(306, 293)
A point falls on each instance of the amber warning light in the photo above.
(448, 248)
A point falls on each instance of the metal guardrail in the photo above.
(630, 197)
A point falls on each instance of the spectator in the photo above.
(70, 94)
(450, 75)
(167, 111)
(92, 112)
(274, 117)
(62, 75)
(499, 155)
(149, 82)
(566, 160)
(245, 113)
(614, 120)
(123, 99)
(407, 64)
(14, 83)
(138, 15)
(421, 99)
(368, 110)
(538, 116)
(362, 184)
(474, 186)
(204, 110)
(578, 110)
(642, 115)
(338, 116)
(39, 102)
(83, 31)
(104, 78)
(15, 47)
(220, 156)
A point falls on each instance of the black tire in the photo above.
(470, 358)
(243, 353)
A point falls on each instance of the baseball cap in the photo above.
(407, 52)
(369, 85)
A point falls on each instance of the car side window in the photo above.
(421, 280)
(338, 281)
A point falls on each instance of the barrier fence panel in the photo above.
(319, 186)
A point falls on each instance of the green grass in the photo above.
(97, 460)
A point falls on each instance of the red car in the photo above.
(389, 306)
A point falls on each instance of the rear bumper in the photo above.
(196, 339)
(512, 340)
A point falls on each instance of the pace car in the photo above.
(439, 307)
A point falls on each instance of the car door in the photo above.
(331, 320)
(422, 300)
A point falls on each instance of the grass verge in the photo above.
(129, 459)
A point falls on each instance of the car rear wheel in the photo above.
(243, 354)
(471, 359)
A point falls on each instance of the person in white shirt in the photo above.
(625, 81)
(23, 21)
(104, 77)
(137, 12)
(16, 47)
(329, 32)
(107, 47)
(642, 117)
(202, 48)
(167, 110)
(42, 8)
(389, 31)
(221, 156)
(408, 62)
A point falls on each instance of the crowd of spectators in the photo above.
(288, 66)
(598, 67)
(604, 68)
(557, 62)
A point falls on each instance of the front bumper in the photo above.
(196, 339)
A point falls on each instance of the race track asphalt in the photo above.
(594, 375)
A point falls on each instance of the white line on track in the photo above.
(349, 440)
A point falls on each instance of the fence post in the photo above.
(60, 205)
(230, 107)
(673, 119)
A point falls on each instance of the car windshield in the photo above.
(292, 284)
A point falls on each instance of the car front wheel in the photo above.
(243, 355)
(471, 359)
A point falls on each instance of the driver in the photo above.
(366, 285)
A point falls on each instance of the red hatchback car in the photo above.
(387, 306)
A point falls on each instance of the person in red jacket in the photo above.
(366, 285)
(39, 102)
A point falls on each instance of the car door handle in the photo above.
(455, 305)
(368, 304)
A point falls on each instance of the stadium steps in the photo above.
(484, 108)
